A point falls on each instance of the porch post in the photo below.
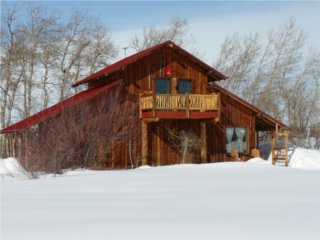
(273, 145)
(144, 143)
(286, 138)
(203, 132)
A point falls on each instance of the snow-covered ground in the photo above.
(10, 167)
(252, 200)
(302, 158)
(305, 159)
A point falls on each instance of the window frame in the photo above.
(185, 79)
(247, 151)
(162, 79)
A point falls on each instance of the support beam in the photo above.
(181, 115)
(144, 143)
(150, 120)
(158, 147)
(203, 132)
(286, 136)
(273, 148)
(101, 156)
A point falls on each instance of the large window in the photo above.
(162, 85)
(184, 86)
(236, 139)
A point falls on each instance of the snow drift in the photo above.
(232, 200)
(305, 159)
(299, 158)
(10, 167)
(257, 160)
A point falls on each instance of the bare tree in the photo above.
(237, 58)
(274, 74)
(85, 46)
(41, 56)
(101, 49)
(186, 142)
(177, 31)
(83, 135)
(38, 29)
(13, 67)
(73, 41)
(47, 62)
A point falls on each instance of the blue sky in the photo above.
(124, 15)
(210, 22)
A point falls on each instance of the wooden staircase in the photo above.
(280, 153)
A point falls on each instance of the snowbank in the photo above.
(301, 158)
(305, 159)
(228, 201)
(10, 167)
(144, 167)
(258, 160)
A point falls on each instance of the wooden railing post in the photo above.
(187, 105)
(154, 102)
(218, 104)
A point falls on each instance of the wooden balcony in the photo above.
(180, 106)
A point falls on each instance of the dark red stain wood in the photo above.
(180, 115)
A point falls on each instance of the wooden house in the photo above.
(181, 109)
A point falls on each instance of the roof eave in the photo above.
(55, 109)
(252, 107)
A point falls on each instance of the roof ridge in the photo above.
(134, 57)
(123, 60)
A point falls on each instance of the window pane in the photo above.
(236, 139)
(162, 85)
(184, 86)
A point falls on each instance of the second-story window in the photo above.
(184, 86)
(162, 85)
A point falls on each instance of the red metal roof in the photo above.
(51, 111)
(120, 64)
(249, 105)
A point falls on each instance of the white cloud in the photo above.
(210, 31)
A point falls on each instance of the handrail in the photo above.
(187, 102)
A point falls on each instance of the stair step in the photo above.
(280, 158)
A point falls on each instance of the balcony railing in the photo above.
(179, 103)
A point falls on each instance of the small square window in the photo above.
(184, 86)
(162, 85)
